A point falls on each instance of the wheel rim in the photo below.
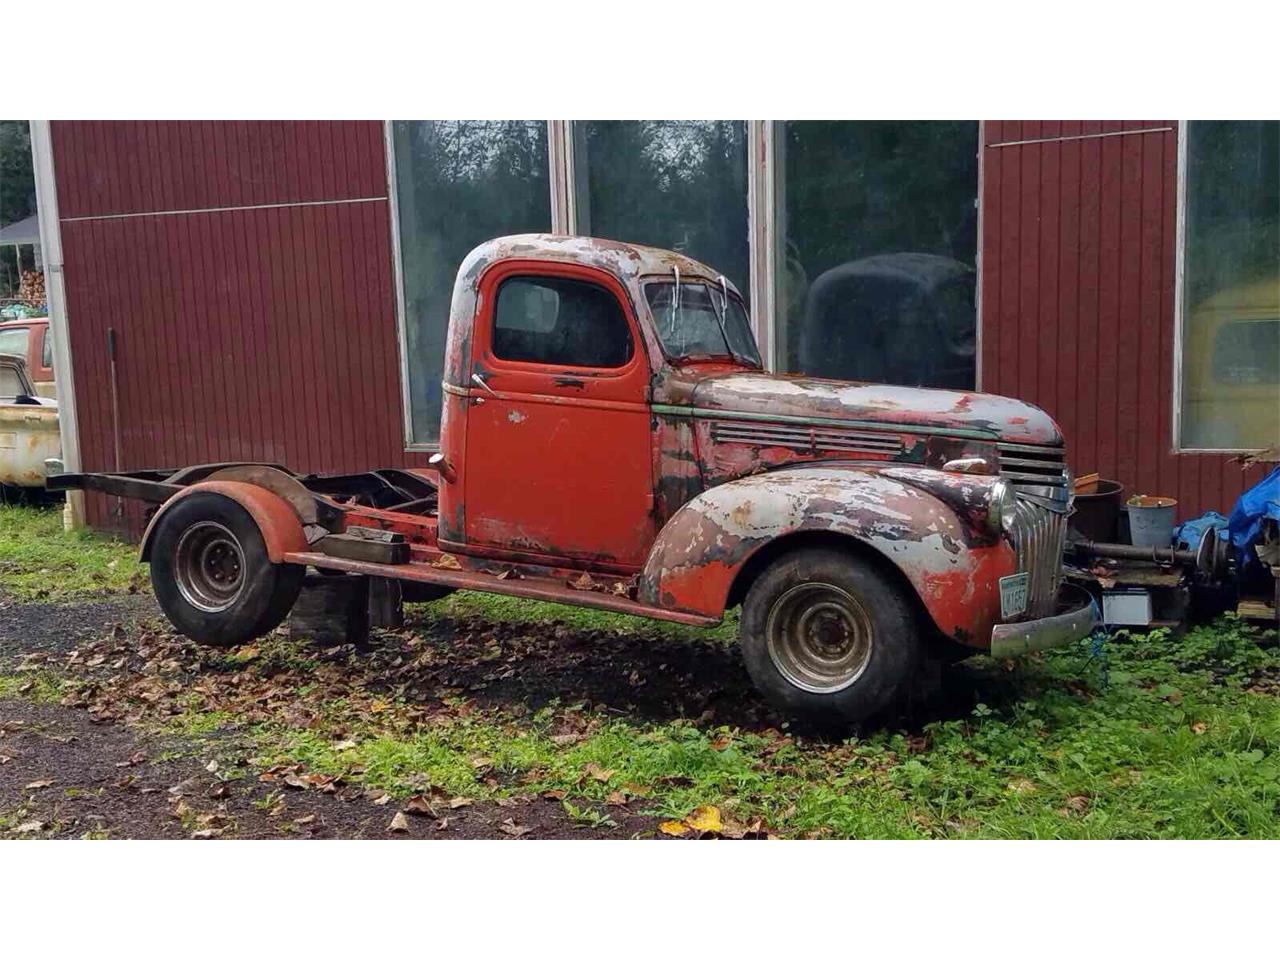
(209, 566)
(819, 637)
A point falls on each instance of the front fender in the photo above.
(951, 563)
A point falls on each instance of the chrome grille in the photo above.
(805, 439)
(1038, 539)
(1040, 477)
(1033, 468)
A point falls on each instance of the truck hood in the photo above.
(960, 413)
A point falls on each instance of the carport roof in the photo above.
(21, 232)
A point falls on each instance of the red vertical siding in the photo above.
(262, 330)
(1078, 298)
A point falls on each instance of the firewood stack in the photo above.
(31, 288)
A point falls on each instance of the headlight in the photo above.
(1002, 507)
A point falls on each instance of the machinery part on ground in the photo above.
(828, 637)
(1210, 559)
(212, 574)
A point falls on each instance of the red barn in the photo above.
(278, 290)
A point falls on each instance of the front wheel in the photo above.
(212, 576)
(828, 637)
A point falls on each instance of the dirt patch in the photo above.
(62, 775)
(56, 628)
(525, 666)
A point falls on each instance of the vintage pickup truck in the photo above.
(610, 439)
(29, 434)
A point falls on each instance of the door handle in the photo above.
(479, 381)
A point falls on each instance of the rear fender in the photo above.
(952, 565)
(280, 526)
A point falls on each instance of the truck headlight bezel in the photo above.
(1002, 507)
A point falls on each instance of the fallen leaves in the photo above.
(420, 805)
(708, 822)
(704, 820)
(399, 823)
(31, 826)
(38, 785)
(513, 829)
(446, 561)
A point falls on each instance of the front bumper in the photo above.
(1015, 639)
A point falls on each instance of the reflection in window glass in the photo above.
(676, 184)
(557, 321)
(14, 341)
(1231, 286)
(11, 386)
(877, 228)
(458, 183)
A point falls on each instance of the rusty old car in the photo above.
(610, 439)
(29, 436)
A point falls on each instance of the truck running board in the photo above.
(531, 588)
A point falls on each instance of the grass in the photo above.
(1160, 737)
(492, 606)
(40, 561)
(41, 686)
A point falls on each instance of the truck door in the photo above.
(557, 459)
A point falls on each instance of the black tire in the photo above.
(828, 638)
(212, 576)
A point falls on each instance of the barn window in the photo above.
(676, 184)
(1229, 345)
(875, 260)
(456, 184)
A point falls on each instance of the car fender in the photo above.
(280, 526)
(949, 559)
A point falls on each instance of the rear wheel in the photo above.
(212, 576)
(826, 636)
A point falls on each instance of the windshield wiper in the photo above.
(720, 312)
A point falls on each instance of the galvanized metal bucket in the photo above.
(1151, 520)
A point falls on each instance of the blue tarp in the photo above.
(1260, 502)
(1189, 534)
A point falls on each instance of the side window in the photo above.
(563, 322)
(46, 354)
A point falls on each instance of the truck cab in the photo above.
(610, 438)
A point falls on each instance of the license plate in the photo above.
(1013, 594)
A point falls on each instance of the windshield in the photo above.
(707, 323)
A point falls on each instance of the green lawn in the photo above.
(39, 561)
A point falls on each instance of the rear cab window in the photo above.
(15, 340)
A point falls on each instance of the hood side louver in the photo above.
(812, 440)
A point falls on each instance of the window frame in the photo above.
(490, 321)
(1179, 307)
(482, 330)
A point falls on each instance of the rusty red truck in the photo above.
(610, 439)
